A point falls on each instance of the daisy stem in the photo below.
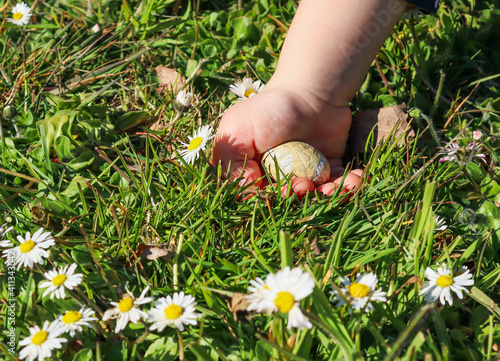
(143, 336)
(203, 157)
(181, 345)
(93, 305)
(170, 125)
(194, 72)
(357, 337)
(431, 128)
(88, 300)
(277, 334)
(438, 94)
(176, 262)
(447, 253)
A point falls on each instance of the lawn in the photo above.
(104, 222)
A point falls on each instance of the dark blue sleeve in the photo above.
(429, 5)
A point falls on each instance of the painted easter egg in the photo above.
(298, 159)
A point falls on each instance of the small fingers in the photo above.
(300, 186)
(350, 183)
(249, 171)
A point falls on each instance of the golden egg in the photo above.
(298, 159)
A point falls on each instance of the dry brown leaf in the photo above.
(151, 252)
(383, 121)
(313, 245)
(170, 79)
(237, 304)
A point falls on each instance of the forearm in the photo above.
(332, 43)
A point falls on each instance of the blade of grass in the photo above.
(412, 328)
(285, 249)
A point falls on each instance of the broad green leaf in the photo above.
(81, 255)
(82, 161)
(84, 355)
(77, 183)
(63, 147)
(490, 188)
(164, 348)
(476, 171)
(131, 119)
(57, 306)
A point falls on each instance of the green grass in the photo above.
(89, 152)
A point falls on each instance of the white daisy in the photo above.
(246, 88)
(3, 232)
(286, 289)
(197, 143)
(41, 342)
(440, 224)
(126, 310)
(32, 249)
(178, 310)
(73, 321)
(358, 295)
(95, 28)
(257, 298)
(449, 151)
(60, 279)
(21, 14)
(442, 282)
(184, 98)
(462, 155)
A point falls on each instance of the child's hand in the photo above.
(274, 116)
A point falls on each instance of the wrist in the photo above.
(305, 94)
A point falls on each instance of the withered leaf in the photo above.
(170, 79)
(314, 246)
(237, 304)
(383, 121)
(151, 252)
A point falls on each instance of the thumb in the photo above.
(236, 156)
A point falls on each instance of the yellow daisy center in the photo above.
(357, 290)
(27, 246)
(195, 143)
(173, 312)
(444, 281)
(249, 92)
(125, 304)
(71, 317)
(59, 280)
(39, 338)
(284, 301)
(17, 16)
